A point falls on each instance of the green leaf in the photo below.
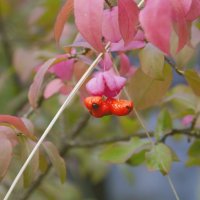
(193, 154)
(159, 158)
(194, 149)
(193, 80)
(120, 152)
(56, 160)
(174, 155)
(31, 170)
(183, 100)
(182, 57)
(139, 155)
(164, 124)
(43, 164)
(146, 91)
(129, 125)
(152, 61)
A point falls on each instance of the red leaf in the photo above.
(35, 88)
(5, 156)
(156, 21)
(88, 18)
(125, 66)
(17, 123)
(8, 133)
(194, 11)
(110, 27)
(128, 19)
(62, 18)
(53, 87)
(182, 26)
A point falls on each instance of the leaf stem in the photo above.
(49, 127)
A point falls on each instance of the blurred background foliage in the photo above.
(26, 34)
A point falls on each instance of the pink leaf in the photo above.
(114, 84)
(125, 66)
(64, 69)
(17, 123)
(130, 46)
(62, 17)
(35, 88)
(96, 85)
(5, 156)
(187, 120)
(186, 4)
(8, 133)
(28, 124)
(53, 87)
(156, 21)
(128, 19)
(194, 11)
(88, 19)
(110, 26)
(80, 42)
(182, 26)
(106, 63)
(106, 83)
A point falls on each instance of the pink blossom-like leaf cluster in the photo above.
(106, 83)
(126, 27)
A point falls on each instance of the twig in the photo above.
(187, 132)
(173, 65)
(80, 124)
(193, 124)
(75, 131)
(90, 144)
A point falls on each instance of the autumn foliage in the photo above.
(141, 49)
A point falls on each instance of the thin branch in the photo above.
(80, 124)
(103, 141)
(187, 132)
(173, 65)
(76, 130)
(83, 144)
(194, 121)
